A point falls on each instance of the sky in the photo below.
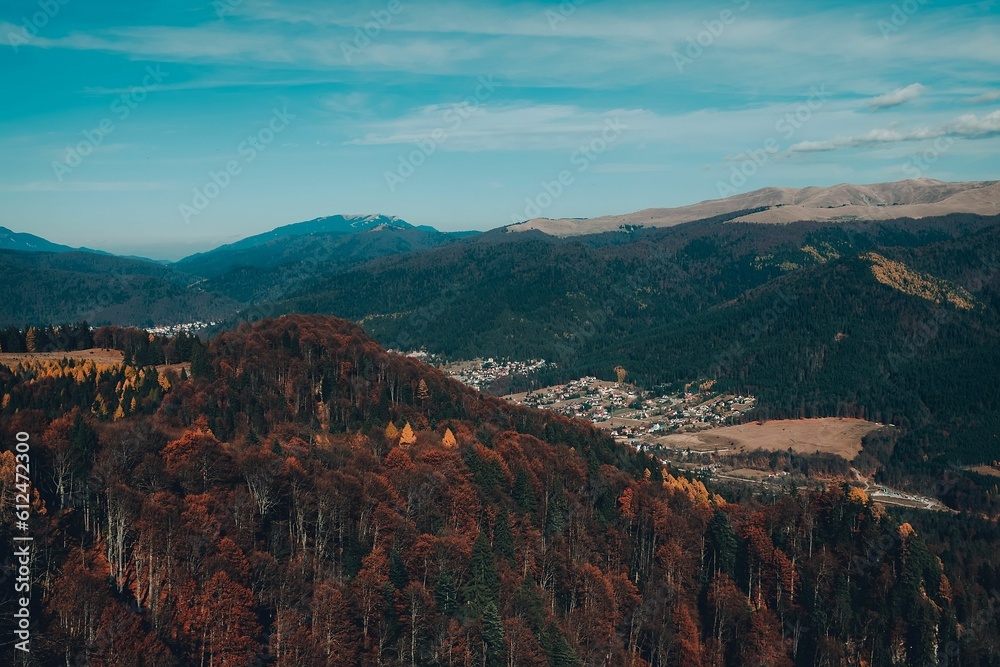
(167, 127)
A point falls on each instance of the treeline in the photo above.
(139, 347)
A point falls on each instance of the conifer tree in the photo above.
(407, 438)
(503, 538)
(484, 582)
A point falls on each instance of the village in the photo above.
(482, 373)
(635, 416)
(630, 414)
(174, 329)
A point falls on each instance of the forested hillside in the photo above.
(308, 498)
(896, 321)
(43, 288)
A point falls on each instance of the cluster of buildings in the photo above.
(637, 416)
(174, 329)
(482, 373)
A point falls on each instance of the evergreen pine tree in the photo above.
(492, 633)
(503, 538)
(557, 649)
(558, 512)
(445, 594)
(201, 367)
(484, 582)
(523, 494)
(528, 604)
(398, 575)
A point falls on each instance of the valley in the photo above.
(473, 428)
(683, 430)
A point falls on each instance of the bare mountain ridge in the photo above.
(918, 198)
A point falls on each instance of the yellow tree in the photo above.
(448, 439)
(391, 432)
(407, 438)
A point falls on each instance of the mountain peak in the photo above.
(353, 222)
(11, 240)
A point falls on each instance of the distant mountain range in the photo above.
(919, 198)
(309, 265)
(206, 286)
(11, 240)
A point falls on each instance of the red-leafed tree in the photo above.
(220, 623)
(121, 641)
(333, 633)
(195, 459)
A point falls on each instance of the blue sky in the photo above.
(165, 127)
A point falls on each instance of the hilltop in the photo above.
(919, 198)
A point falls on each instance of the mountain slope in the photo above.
(47, 288)
(339, 238)
(905, 335)
(310, 499)
(897, 321)
(533, 295)
(884, 201)
(277, 268)
(10, 240)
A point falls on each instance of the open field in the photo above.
(829, 435)
(98, 356)
(989, 471)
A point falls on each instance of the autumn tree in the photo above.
(221, 623)
(195, 458)
(332, 629)
(391, 432)
(407, 438)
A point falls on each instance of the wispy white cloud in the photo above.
(598, 46)
(990, 96)
(968, 126)
(897, 97)
(468, 127)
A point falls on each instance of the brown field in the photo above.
(986, 470)
(97, 356)
(829, 435)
